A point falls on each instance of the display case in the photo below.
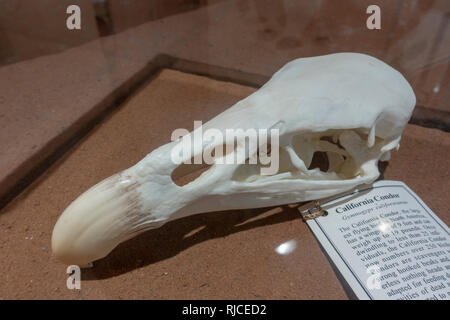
(89, 88)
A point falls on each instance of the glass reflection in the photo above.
(286, 247)
(385, 226)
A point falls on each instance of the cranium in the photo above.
(351, 106)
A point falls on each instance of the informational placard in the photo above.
(387, 243)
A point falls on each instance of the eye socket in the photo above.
(330, 139)
(319, 160)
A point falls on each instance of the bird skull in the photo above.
(351, 106)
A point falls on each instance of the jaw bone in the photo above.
(350, 106)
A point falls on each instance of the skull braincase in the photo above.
(350, 106)
(354, 100)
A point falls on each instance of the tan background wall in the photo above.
(130, 13)
(30, 29)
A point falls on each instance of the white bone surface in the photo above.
(360, 103)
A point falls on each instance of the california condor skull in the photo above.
(349, 106)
